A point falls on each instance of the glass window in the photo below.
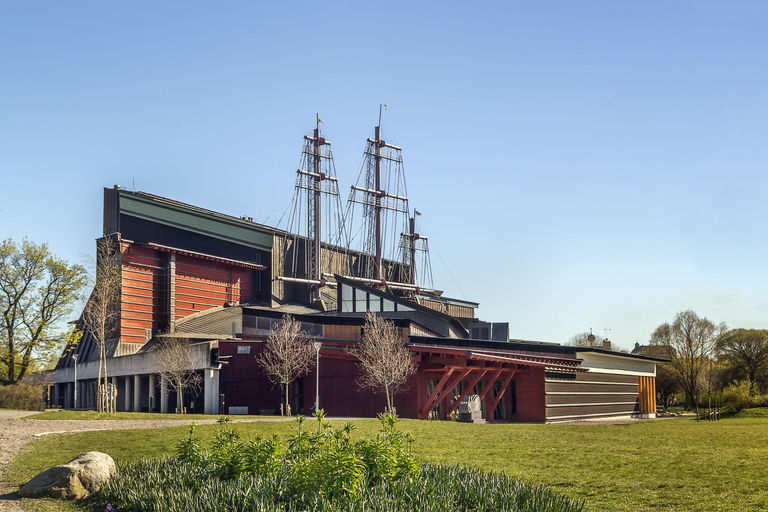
(374, 303)
(388, 305)
(361, 300)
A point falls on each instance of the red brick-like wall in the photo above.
(529, 387)
(200, 284)
(141, 300)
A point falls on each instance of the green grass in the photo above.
(757, 412)
(93, 415)
(655, 465)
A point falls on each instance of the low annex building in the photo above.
(220, 282)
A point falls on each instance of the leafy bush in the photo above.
(737, 397)
(320, 469)
(23, 396)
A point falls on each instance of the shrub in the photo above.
(23, 396)
(171, 485)
(737, 396)
(320, 469)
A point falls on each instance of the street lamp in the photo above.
(74, 357)
(317, 346)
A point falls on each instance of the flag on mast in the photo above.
(416, 212)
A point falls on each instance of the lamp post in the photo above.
(317, 346)
(74, 357)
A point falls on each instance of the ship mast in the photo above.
(377, 274)
(383, 191)
(315, 178)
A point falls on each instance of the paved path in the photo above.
(16, 431)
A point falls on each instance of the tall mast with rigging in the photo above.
(315, 178)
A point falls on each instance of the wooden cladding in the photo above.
(201, 285)
(647, 395)
(591, 395)
(141, 304)
(154, 289)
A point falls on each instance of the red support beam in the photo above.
(429, 405)
(455, 382)
(468, 389)
(490, 386)
(504, 386)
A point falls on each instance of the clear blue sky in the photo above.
(578, 164)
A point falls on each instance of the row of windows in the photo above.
(354, 300)
(251, 324)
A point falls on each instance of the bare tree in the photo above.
(101, 313)
(689, 343)
(747, 351)
(176, 362)
(287, 354)
(586, 339)
(384, 360)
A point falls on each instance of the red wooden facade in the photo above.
(161, 285)
(510, 386)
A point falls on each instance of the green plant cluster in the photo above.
(324, 461)
(741, 395)
(317, 469)
(23, 396)
(171, 485)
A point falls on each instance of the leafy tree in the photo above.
(37, 291)
(287, 354)
(747, 351)
(689, 343)
(384, 360)
(586, 339)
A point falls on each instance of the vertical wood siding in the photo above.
(647, 394)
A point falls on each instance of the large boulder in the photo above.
(75, 480)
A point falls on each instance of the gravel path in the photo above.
(15, 432)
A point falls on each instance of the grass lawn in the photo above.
(675, 464)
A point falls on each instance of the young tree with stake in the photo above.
(287, 354)
(101, 313)
(384, 361)
(177, 365)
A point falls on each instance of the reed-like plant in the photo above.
(318, 469)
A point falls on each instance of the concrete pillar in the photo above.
(211, 391)
(128, 393)
(114, 386)
(163, 394)
(137, 393)
(152, 393)
(69, 397)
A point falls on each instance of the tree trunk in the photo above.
(287, 411)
